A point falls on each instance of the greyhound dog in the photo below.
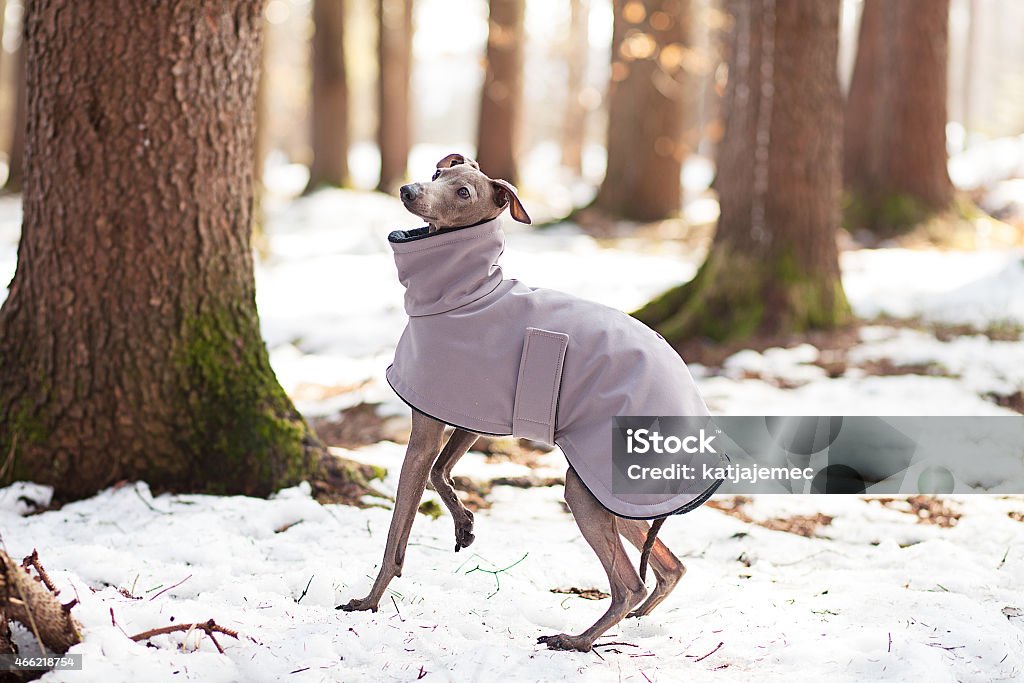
(460, 195)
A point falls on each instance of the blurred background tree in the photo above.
(773, 267)
(501, 97)
(394, 39)
(576, 59)
(895, 132)
(649, 103)
(329, 98)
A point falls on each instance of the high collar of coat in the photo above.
(445, 270)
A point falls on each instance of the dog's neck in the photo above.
(432, 228)
(445, 270)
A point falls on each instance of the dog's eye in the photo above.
(437, 174)
(464, 192)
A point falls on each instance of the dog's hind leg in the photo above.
(599, 528)
(441, 477)
(667, 567)
(424, 444)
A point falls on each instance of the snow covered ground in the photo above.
(876, 596)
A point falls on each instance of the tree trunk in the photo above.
(895, 135)
(647, 109)
(263, 125)
(130, 345)
(16, 155)
(773, 267)
(330, 97)
(395, 63)
(574, 129)
(501, 100)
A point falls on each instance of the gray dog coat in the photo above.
(493, 356)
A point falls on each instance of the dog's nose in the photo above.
(409, 192)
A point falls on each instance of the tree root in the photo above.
(32, 601)
(735, 296)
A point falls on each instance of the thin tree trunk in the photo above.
(330, 97)
(395, 63)
(895, 134)
(647, 110)
(16, 155)
(502, 96)
(130, 345)
(574, 128)
(773, 265)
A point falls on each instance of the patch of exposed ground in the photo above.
(927, 509)
(801, 525)
(1014, 401)
(585, 593)
(360, 425)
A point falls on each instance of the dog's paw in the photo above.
(563, 641)
(464, 532)
(357, 605)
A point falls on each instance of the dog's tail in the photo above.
(652, 536)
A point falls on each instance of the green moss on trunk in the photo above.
(733, 297)
(240, 426)
(895, 214)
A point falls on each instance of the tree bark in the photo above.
(329, 98)
(130, 344)
(501, 100)
(895, 134)
(263, 125)
(773, 265)
(574, 128)
(16, 154)
(647, 110)
(395, 63)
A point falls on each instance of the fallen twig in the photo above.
(208, 627)
(717, 647)
(33, 561)
(146, 502)
(947, 648)
(304, 590)
(397, 611)
(170, 587)
(610, 644)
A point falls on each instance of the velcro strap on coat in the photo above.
(540, 376)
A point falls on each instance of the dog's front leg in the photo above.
(424, 445)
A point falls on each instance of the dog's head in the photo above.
(459, 195)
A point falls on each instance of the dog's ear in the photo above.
(455, 160)
(505, 194)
